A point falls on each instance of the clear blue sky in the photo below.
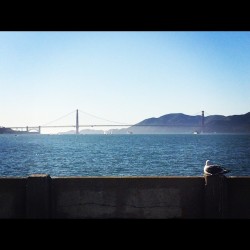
(121, 76)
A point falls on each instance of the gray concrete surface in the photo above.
(40, 196)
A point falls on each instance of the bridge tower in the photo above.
(77, 123)
(202, 121)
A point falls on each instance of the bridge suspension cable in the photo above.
(98, 117)
(197, 113)
(207, 113)
(58, 118)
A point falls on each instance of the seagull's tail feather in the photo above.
(224, 171)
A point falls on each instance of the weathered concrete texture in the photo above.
(239, 197)
(38, 196)
(133, 197)
(12, 197)
(216, 196)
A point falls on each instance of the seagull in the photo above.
(212, 169)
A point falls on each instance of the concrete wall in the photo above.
(239, 197)
(39, 196)
(140, 197)
(12, 197)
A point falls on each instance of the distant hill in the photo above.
(181, 123)
(4, 130)
(228, 124)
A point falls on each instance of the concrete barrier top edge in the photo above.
(127, 177)
(115, 177)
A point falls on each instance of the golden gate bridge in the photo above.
(76, 126)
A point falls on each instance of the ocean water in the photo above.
(122, 155)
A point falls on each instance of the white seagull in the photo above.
(212, 169)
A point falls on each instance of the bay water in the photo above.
(122, 155)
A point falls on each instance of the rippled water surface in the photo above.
(122, 155)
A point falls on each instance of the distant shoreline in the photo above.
(119, 134)
(174, 123)
(5, 131)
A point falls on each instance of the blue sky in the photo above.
(121, 76)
